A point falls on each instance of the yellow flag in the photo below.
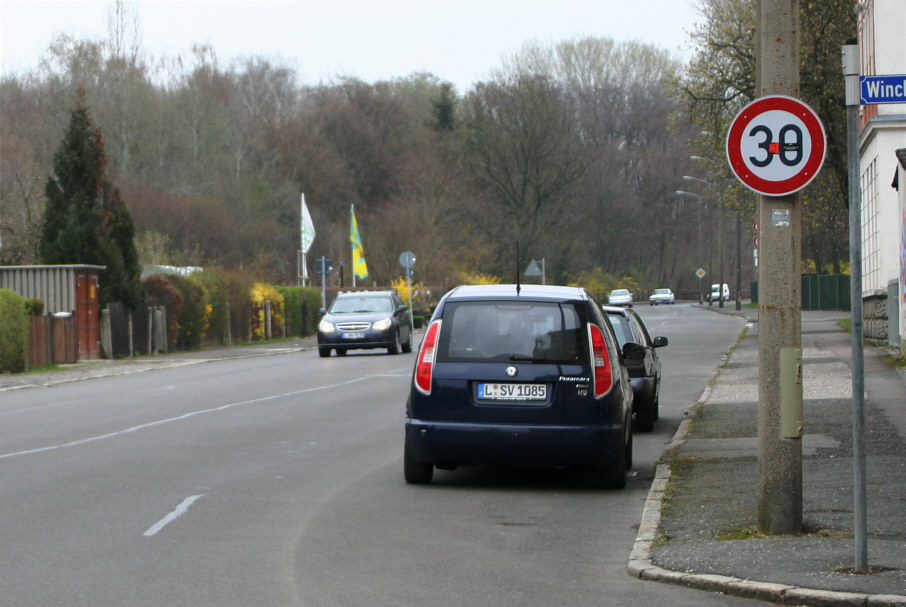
(359, 267)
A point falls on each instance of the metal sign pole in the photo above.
(851, 70)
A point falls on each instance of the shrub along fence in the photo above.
(181, 312)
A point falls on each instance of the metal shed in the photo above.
(64, 289)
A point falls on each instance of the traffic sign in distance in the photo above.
(407, 259)
(776, 145)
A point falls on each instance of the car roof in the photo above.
(362, 293)
(509, 291)
(616, 310)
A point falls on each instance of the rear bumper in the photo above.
(457, 443)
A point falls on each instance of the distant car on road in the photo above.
(644, 368)
(523, 376)
(661, 296)
(718, 294)
(620, 297)
(365, 319)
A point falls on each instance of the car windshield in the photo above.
(661, 291)
(512, 332)
(619, 292)
(353, 305)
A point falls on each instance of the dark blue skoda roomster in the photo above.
(528, 376)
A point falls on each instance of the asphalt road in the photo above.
(278, 481)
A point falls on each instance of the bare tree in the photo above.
(523, 143)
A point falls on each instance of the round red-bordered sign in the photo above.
(776, 145)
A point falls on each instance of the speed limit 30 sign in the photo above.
(776, 145)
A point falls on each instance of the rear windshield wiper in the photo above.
(517, 358)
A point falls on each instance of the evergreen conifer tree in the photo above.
(85, 219)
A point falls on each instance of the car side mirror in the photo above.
(322, 311)
(633, 351)
(402, 308)
(659, 342)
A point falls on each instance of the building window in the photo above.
(871, 244)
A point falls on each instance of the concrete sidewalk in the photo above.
(706, 484)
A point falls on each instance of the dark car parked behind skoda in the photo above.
(644, 369)
(528, 377)
(365, 319)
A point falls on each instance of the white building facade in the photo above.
(883, 132)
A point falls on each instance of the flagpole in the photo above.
(306, 236)
(352, 243)
(302, 239)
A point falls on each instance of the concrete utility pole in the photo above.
(779, 285)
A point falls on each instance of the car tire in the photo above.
(644, 418)
(615, 476)
(407, 347)
(629, 452)
(323, 352)
(415, 472)
(341, 351)
(395, 346)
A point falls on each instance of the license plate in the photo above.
(533, 392)
(354, 335)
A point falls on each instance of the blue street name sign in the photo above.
(882, 89)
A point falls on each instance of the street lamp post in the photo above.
(720, 254)
(700, 255)
(738, 246)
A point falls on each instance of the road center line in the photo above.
(169, 420)
(178, 512)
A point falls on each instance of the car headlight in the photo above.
(382, 325)
(326, 327)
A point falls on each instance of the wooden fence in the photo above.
(52, 340)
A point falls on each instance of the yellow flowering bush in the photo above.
(259, 294)
(477, 278)
(421, 298)
(600, 283)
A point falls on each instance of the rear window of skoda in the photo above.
(542, 332)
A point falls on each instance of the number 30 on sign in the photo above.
(776, 145)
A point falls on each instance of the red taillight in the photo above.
(600, 361)
(424, 370)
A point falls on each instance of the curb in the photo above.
(641, 566)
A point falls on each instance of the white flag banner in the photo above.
(307, 228)
(306, 237)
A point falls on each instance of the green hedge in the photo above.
(34, 307)
(13, 331)
(210, 306)
(196, 310)
(300, 309)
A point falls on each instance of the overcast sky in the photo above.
(456, 40)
